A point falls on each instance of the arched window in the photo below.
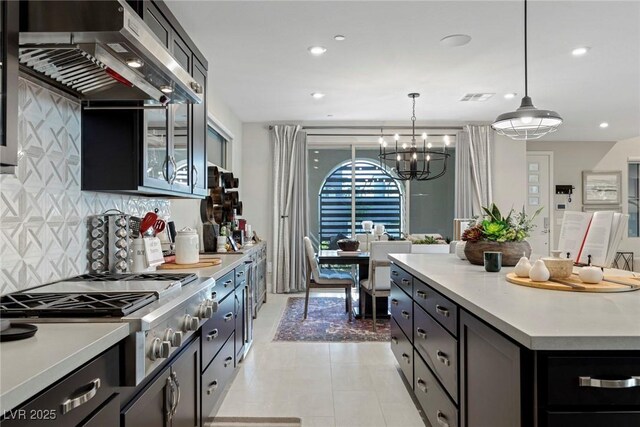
(378, 198)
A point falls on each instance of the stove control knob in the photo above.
(174, 337)
(213, 304)
(205, 311)
(190, 323)
(177, 339)
(159, 349)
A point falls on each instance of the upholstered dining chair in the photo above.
(326, 278)
(378, 282)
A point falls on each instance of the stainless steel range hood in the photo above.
(102, 50)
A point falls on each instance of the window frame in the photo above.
(636, 199)
(216, 125)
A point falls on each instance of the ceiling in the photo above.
(260, 66)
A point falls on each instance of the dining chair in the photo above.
(364, 240)
(378, 284)
(326, 278)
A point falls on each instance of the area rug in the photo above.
(326, 321)
(253, 422)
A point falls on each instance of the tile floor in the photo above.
(325, 384)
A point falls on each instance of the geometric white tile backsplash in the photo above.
(42, 209)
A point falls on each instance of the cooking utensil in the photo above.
(148, 222)
(213, 177)
(218, 195)
(134, 226)
(159, 226)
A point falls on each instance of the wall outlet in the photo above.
(269, 267)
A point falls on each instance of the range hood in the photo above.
(102, 50)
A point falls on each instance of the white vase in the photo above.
(522, 267)
(539, 272)
(460, 249)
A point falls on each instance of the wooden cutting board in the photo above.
(209, 262)
(574, 284)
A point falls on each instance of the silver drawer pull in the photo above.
(394, 301)
(240, 273)
(394, 273)
(421, 294)
(405, 314)
(405, 281)
(74, 402)
(442, 419)
(394, 340)
(598, 383)
(227, 361)
(442, 311)
(212, 335)
(406, 357)
(421, 333)
(212, 387)
(228, 317)
(443, 358)
(227, 283)
(421, 384)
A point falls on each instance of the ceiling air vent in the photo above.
(478, 97)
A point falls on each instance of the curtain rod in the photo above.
(375, 134)
(379, 127)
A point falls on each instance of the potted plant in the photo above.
(429, 245)
(493, 232)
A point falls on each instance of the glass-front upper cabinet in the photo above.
(179, 120)
(159, 169)
(9, 83)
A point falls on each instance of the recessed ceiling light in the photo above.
(455, 40)
(316, 152)
(339, 37)
(166, 89)
(315, 167)
(604, 125)
(510, 95)
(579, 51)
(317, 95)
(317, 50)
(135, 63)
(316, 160)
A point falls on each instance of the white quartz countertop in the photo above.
(229, 262)
(538, 319)
(30, 365)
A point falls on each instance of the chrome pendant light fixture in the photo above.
(412, 161)
(527, 122)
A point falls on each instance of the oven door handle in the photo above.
(174, 376)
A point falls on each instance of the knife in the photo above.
(567, 283)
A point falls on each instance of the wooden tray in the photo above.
(210, 262)
(574, 284)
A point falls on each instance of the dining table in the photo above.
(361, 260)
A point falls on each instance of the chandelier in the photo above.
(527, 122)
(413, 161)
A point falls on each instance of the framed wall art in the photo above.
(601, 187)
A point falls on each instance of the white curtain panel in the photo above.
(480, 143)
(290, 209)
(463, 184)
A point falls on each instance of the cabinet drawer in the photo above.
(241, 275)
(224, 285)
(574, 380)
(217, 329)
(74, 398)
(217, 376)
(435, 403)
(438, 348)
(107, 415)
(437, 305)
(592, 419)
(401, 278)
(403, 351)
(402, 310)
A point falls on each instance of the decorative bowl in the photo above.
(559, 268)
(511, 251)
(348, 245)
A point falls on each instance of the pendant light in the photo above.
(527, 122)
(411, 161)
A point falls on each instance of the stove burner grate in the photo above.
(183, 278)
(73, 305)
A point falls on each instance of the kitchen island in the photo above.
(480, 351)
